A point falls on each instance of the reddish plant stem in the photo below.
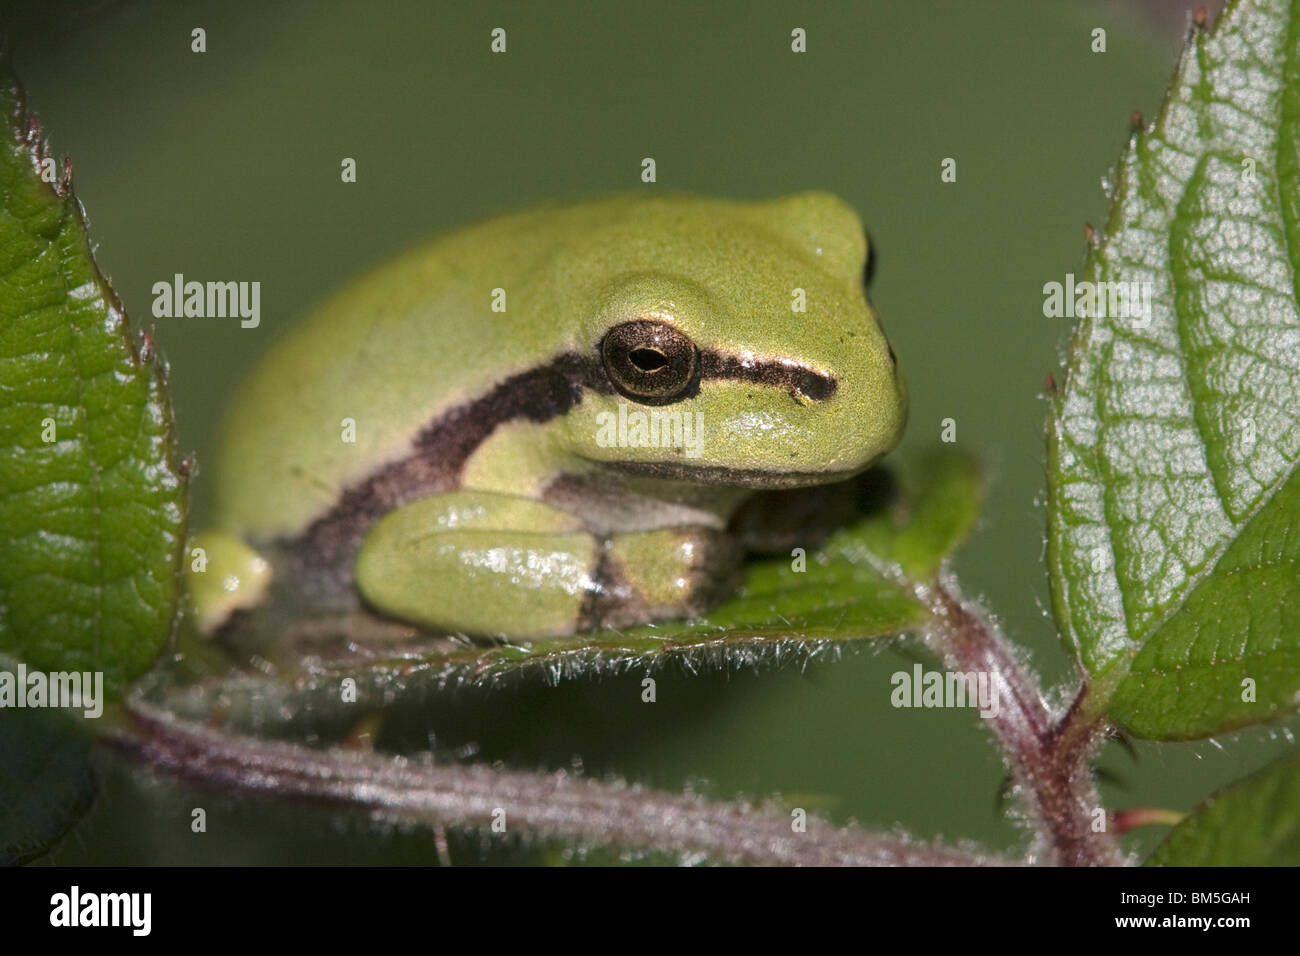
(1048, 758)
(574, 809)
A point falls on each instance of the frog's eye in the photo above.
(649, 362)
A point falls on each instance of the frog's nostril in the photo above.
(814, 386)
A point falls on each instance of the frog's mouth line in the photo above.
(441, 449)
(756, 478)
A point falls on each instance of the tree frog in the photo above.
(541, 423)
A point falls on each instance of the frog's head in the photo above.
(732, 343)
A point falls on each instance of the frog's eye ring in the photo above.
(649, 362)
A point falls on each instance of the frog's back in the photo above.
(388, 351)
(391, 351)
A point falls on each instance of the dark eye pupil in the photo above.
(648, 360)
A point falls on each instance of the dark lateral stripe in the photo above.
(439, 453)
(441, 449)
(787, 376)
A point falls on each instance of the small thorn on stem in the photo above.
(65, 182)
(1049, 383)
(146, 347)
(1089, 233)
(362, 737)
(1201, 17)
(1135, 121)
(1125, 742)
(1005, 790)
(441, 848)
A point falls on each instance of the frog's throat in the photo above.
(440, 450)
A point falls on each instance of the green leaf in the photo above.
(1253, 822)
(91, 497)
(938, 509)
(1172, 445)
(857, 585)
(46, 781)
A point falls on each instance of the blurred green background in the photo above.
(225, 165)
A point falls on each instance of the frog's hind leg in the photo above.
(676, 572)
(489, 564)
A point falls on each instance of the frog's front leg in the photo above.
(491, 564)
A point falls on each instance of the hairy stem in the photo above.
(538, 805)
(1049, 759)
